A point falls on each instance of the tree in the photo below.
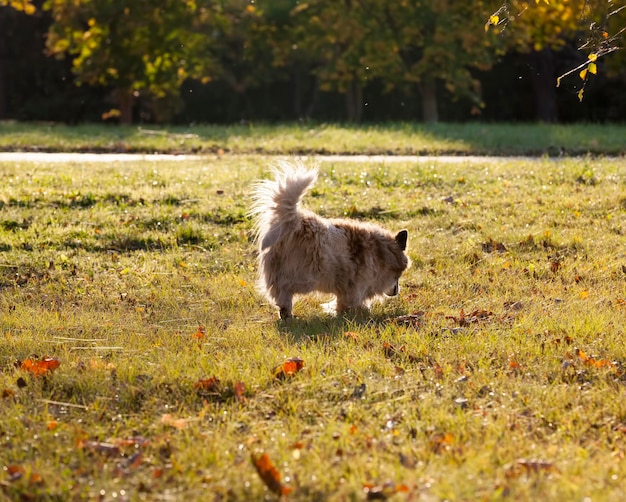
(540, 28)
(137, 47)
(27, 7)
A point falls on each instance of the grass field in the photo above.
(139, 363)
(393, 139)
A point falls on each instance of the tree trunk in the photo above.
(124, 99)
(3, 102)
(310, 110)
(428, 89)
(354, 101)
(297, 92)
(543, 78)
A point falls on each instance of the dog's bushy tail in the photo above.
(275, 202)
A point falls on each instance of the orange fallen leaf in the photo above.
(199, 335)
(351, 335)
(269, 474)
(240, 390)
(288, 369)
(210, 384)
(440, 442)
(592, 361)
(15, 471)
(41, 366)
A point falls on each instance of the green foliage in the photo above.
(135, 47)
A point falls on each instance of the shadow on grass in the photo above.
(317, 326)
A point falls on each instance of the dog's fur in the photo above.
(301, 252)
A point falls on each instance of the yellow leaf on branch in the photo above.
(593, 68)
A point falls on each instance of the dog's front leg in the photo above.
(285, 303)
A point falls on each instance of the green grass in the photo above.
(508, 383)
(397, 138)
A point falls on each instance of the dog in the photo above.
(300, 252)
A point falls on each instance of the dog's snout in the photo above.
(394, 290)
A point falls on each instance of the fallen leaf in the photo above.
(523, 466)
(392, 352)
(288, 369)
(15, 472)
(415, 320)
(104, 448)
(177, 423)
(269, 474)
(440, 442)
(7, 393)
(490, 246)
(592, 361)
(473, 317)
(240, 390)
(384, 491)
(211, 384)
(199, 335)
(351, 335)
(41, 366)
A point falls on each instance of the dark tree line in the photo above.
(281, 60)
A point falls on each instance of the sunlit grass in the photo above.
(314, 138)
(508, 381)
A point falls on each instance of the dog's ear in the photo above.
(401, 239)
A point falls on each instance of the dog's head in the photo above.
(401, 261)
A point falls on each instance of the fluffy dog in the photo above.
(301, 252)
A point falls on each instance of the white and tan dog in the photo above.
(300, 252)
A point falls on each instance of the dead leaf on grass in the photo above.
(40, 366)
(288, 369)
(199, 334)
(440, 442)
(104, 448)
(474, 317)
(210, 384)
(17, 472)
(384, 491)
(351, 335)
(8, 393)
(392, 352)
(490, 246)
(240, 390)
(177, 423)
(596, 363)
(528, 467)
(269, 474)
(415, 320)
